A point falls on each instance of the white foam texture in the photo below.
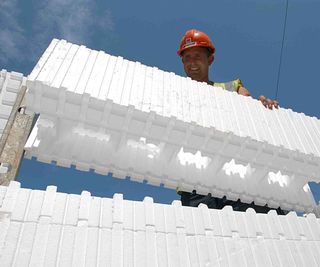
(49, 228)
(10, 86)
(113, 115)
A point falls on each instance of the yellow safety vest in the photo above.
(232, 86)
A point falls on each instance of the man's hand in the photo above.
(243, 91)
(268, 103)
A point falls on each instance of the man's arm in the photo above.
(268, 103)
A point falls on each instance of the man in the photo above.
(197, 53)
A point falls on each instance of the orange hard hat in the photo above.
(194, 38)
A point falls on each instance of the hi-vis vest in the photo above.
(232, 86)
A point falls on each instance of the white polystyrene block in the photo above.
(123, 233)
(10, 85)
(112, 72)
(120, 99)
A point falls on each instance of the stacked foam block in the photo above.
(48, 228)
(109, 114)
(10, 85)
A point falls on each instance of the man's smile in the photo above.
(194, 69)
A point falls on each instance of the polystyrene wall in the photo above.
(10, 85)
(109, 114)
(48, 228)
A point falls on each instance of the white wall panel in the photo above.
(147, 234)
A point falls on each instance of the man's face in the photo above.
(196, 62)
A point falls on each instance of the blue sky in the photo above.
(247, 35)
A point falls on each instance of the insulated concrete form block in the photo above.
(120, 232)
(109, 114)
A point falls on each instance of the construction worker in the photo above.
(197, 53)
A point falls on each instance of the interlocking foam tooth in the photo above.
(50, 228)
(111, 104)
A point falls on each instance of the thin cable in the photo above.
(281, 52)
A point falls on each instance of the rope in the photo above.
(281, 52)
